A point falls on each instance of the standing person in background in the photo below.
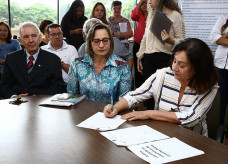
(219, 36)
(43, 28)
(152, 54)
(7, 45)
(72, 24)
(139, 15)
(99, 12)
(120, 26)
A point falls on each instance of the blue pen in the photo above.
(112, 100)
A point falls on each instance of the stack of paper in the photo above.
(147, 143)
(164, 151)
(134, 135)
(151, 145)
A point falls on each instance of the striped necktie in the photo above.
(30, 64)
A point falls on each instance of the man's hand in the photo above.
(21, 95)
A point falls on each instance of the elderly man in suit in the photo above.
(31, 71)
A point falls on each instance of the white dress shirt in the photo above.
(221, 53)
(67, 53)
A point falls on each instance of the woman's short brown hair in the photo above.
(201, 59)
(90, 36)
(9, 36)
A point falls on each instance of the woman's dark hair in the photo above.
(116, 3)
(201, 59)
(224, 26)
(90, 36)
(104, 19)
(170, 4)
(8, 39)
(71, 13)
(43, 24)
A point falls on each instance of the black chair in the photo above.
(220, 133)
(215, 130)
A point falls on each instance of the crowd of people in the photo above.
(94, 59)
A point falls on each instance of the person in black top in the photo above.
(72, 24)
(43, 28)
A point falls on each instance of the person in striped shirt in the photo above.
(183, 92)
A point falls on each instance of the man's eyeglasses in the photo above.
(58, 34)
(117, 8)
(97, 42)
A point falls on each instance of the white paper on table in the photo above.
(134, 135)
(99, 122)
(164, 151)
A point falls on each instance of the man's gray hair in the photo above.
(28, 24)
(88, 23)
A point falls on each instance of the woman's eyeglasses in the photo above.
(97, 42)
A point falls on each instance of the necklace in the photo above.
(166, 13)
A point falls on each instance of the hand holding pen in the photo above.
(112, 101)
(110, 110)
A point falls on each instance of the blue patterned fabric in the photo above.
(8, 48)
(115, 77)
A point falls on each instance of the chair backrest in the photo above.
(215, 131)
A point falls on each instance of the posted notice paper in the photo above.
(99, 122)
(164, 151)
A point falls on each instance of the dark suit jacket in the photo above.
(45, 78)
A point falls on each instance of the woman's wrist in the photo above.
(116, 109)
(2, 61)
(170, 41)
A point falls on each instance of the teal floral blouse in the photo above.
(114, 77)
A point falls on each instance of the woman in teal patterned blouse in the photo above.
(99, 72)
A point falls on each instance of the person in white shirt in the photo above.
(183, 92)
(58, 46)
(153, 54)
(219, 36)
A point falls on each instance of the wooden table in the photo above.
(30, 133)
